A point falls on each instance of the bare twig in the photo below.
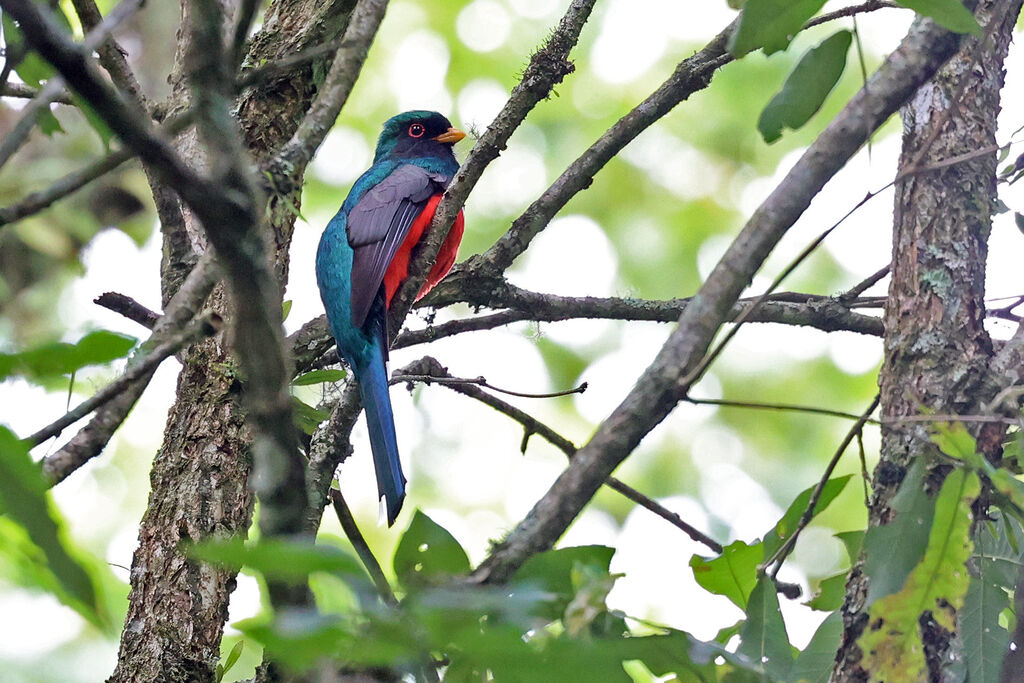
(27, 92)
(482, 382)
(429, 367)
(867, 283)
(787, 546)
(112, 57)
(54, 87)
(348, 62)
(202, 327)
(94, 436)
(128, 307)
(547, 68)
(670, 376)
(76, 180)
(355, 537)
(775, 406)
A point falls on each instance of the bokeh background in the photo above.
(652, 226)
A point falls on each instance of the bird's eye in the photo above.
(417, 130)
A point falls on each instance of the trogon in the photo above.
(364, 256)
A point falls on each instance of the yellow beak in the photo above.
(451, 135)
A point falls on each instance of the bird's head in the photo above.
(417, 134)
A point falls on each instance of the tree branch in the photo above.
(204, 326)
(428, 370)
(93, 438)
(546, 69)
(658, 390)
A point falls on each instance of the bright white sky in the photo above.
(650, 564)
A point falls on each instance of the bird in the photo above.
(364, 256)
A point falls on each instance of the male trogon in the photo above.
(364, 256)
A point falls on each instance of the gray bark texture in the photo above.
(177, 606)
(937, 352)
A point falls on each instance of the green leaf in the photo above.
(428, 554)
(806, 87)
(24, 498)
(48, 123)
(230, 660)
(893, 550)
(774, 539)
(950, 13)
(831, 592)
(763, 638)
(95, 121)
(59, 359)
(306, 417)
(814, 664)
(588, 608)
(279, 558)
(892, 643)
(985, 642)
(732, 574)
(771, 24)
(552, 573)
(852, 541)
(286, 308)
(318, 377)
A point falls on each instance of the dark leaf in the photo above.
(806, 88)
(770, 24)
(950, 13)
(428, 554)
(24, 498)
(763, 638)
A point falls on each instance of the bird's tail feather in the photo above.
(373, 388)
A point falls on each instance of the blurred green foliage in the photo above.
(680, 190)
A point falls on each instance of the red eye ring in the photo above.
(417, 130)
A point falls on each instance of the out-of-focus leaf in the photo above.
(771, 24)
(763, 637)
(428, 554)
(306, 417)
(831, 592)
(892, 643)
(893, 550)
(283, 559)
(592, 586)
(806, 88)
(986, 643)
(774, 539)
(852, 541)
(950, 13)
(95, 121)
(319, 377)
(732, 574)
(24, 498)
(58, 359)
(814, 664)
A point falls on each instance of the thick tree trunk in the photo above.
(936, 348)
(178, 607)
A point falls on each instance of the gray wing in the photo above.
(378, 224)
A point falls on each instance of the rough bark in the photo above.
(937, 351)
(177, 607)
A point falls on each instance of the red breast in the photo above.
(398, 269)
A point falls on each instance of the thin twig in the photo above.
(55, 86)
(76, 180)
(204, 326)
(27, 92)
(358, 541)
(128, 307)
(429, 367)
(482, 382)
(780, 555)
(864, 285)
(775, 406)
